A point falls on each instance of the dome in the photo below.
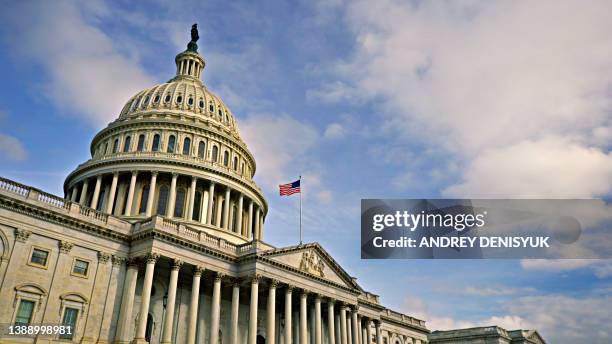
(174, 152)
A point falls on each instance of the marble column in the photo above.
(379, 339)
(250, 223)
(271, 313)
(368, 338)
(343, 328)
(349, 327)
(318, 329)
(151, 196)
(219, 211)
(261, 224)
(204, 207)
(73, 194)
(256, 232)
(211, 197)
(169, 319)
(253, 311)
(111, 194)
(215, 309)
(83, 197)
(331, 327)
(193, 307)
(235, 312)
(288, 314)
(146, 298)
(303, 315)
(226, 207)
(239, 214)
(172, 201)
(360, 332)
(192, 191)
(355, 327)
(127, 302)
(96, 194)
(130, 195)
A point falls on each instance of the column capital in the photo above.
(377, 323)
(331, 300)
(132, 261)
(176, 264)
(22, 235)
(219, 276)
(99, 177)
(318, 297)
(197, 270)
(290, 288)
(103, 257)
(134, 172)
(234, 281)
(118, 261)
(194, 178)
(273, 283)
(255, 278)
(151, 258)
(175, 175)
(65, 246)
(116, 174)
(304, 292)
(154, 173)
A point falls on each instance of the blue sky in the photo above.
(365, 100)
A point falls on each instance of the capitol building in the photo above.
(160, 238)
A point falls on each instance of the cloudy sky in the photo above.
(364, 99)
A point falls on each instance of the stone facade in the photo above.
(159, 239)
(485, 335)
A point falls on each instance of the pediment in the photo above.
(312, 260)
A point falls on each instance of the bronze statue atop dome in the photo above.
(192, 46)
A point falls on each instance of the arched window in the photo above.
(201, 104)
(155, 146)
(116, 146)
(180, 203)
(156, 99)
(197, 200)
(190, 101)
(242, 168)
(211, 108)
(220, 113)
(144, 198)
(225, 158)
(186, 146)
(140, 146)
(236, 163)
(179, 99)
(126, 144)
(201, 149)
(146, 101)
(215, 154)
(162, 203)
(103, 148)
(167, 99)
(171, 143)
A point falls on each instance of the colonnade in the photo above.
(344, 325)
(204, 201)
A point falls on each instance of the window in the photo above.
(211, 108)
(115, 146)
(201, 104)
(156, 99)
(179, 99)
(146, 101)
(80, 267)
(140, 146)
(24, 312)
(215, 154)
(225, 158)
(171, 143)
(242, 168)
(180, 203)
(186, 146)
(70, 318)
(167, 99)
(144, 197)
(190, 101)
(236, 163)
(220, 113)
(39, 257)
(155, 147)
(126, 145)
(197, 200)
(201, 149)
(162, 203)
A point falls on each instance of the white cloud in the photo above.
(334, 131)
(86, 74)
(496, 291)
(602, 268)
(485, 79)
(333, 92)
(11, 148)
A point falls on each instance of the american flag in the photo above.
(290, 189)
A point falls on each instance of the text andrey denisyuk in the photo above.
(458, 222)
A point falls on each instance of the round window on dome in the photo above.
(179, 99)
(146, 101)
(211, 108)
(167, 99)
(201, 104)
(156, 99)
(220, 113)
(190, 101)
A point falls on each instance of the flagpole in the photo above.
(300, 179)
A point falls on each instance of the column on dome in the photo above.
(226, 207)
(271, 313)
(215, 308)
(318, 329)
(151, 259)
(219, 210)
(343, 327)
(331, 326)
(130, 195)
(250, 222)
(211, 197)
(303, 317)
(172, 201)
(288, 314)
(252, 338)
(234, 312)
(261, 224)
(192, 191)
(204, 207)
(193, 307)
(127, 302)
(96, 194)
(111, 194)
(256, 231)
(169, 319)
(73, 194)
(83, 197)
(239, 215)
(151, 196)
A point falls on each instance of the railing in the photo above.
(179, 157)
(404, 318)
(54, 200)
(11, 186)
